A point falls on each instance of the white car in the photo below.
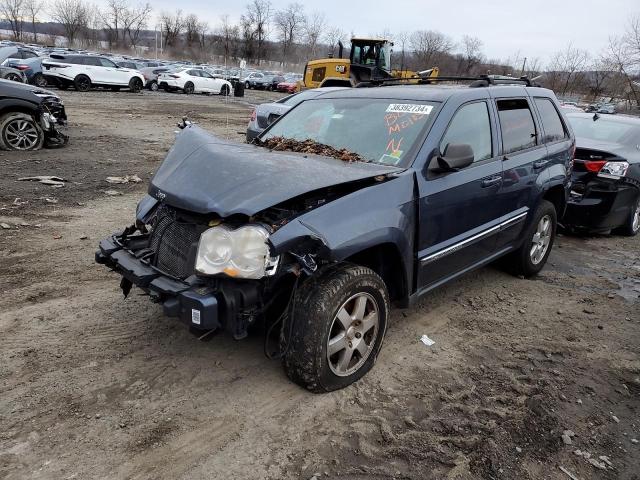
(86, 71)
(193, 80)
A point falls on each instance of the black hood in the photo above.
(23, 90)
(205, 174)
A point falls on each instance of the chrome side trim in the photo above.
(479, 236)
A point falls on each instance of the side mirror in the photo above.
(455, 157)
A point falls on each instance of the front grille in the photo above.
(172, 239)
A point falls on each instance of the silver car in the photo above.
(267, 113)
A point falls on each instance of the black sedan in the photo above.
(606, 174)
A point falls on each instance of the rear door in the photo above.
(523, 159)
(194, 77)
(459, 211)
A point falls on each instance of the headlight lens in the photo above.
(241, 253)
(614, 169)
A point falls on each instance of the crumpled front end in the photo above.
(53, 120)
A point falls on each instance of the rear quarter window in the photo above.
(552, 124)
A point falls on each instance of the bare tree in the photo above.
(172, 25)
(289, 22)
(72, 15)
(471, 53)
(313, 27)
(113, 17)
(621, 60)
(32, 10)
(191, 30)
(256, 23)
(430, 46)
(134, 21)
(229, 36)
(334, 35)
(569, 63)
(13, 11)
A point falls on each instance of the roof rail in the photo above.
(477, 81)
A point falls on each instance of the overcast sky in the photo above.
(534, 29)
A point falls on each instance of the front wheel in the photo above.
(153, 86)
(189, 88)
(19, 131)
(135, 85)
(225, 90)
(339, 322)
(531, 257)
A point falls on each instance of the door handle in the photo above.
(488, 182)
(540, 164)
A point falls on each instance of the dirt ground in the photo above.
(94, 386)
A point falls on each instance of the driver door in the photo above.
(459, 211)
(111, 72)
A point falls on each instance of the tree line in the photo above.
(291, 36)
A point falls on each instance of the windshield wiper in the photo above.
(281, 144)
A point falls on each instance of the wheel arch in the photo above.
(557, 195)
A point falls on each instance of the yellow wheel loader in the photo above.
(369, 64)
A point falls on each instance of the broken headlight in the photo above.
(239, 253)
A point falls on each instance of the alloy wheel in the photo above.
(14, 77)
(21, 134)
(541, 240)
(353, 334)
(635, 223)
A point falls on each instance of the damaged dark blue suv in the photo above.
(351, 201)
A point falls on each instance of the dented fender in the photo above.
(383, 213)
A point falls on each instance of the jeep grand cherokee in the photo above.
(351, 201)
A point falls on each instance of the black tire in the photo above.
(82, 83)
(13, 123)
(521, 262)
(39, 80)
(153, 86)
(225, 90)
(189, 88)
(135, 85)
(631, 225)
(315, 318)
(247, 85)
(14, 77)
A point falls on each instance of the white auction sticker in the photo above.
(409, 108)
(195, 316)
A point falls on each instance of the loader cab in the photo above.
(370, 59)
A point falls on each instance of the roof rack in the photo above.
(478, 81)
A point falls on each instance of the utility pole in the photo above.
(523, 65)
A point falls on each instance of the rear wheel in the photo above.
(39, 80)
(225, 90)
(531, 257)
(19, 131)
(82, 83)
(631, 226)
(339, 322)
(135, 85)
(153, 86)
(189, 88)
(14, 77)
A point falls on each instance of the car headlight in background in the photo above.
(239, 253)
(614, 170)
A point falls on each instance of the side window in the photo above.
(91, 61)
(28, 54)
(103, 62)
(517, 125)
(552, 123)
(193, 73)
(471, 125)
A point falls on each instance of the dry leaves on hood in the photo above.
(309, 146)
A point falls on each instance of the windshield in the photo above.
(606, 130)
(377, 130)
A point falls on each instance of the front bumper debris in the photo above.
(193, 303)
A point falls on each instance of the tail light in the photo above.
(145, 76)
(594, 166)
(254, 115)
(614, 170)
(21, 67)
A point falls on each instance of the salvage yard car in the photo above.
(351, 201)
(30, 117)
(86, 71)
(605, 193)
(193, 80)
